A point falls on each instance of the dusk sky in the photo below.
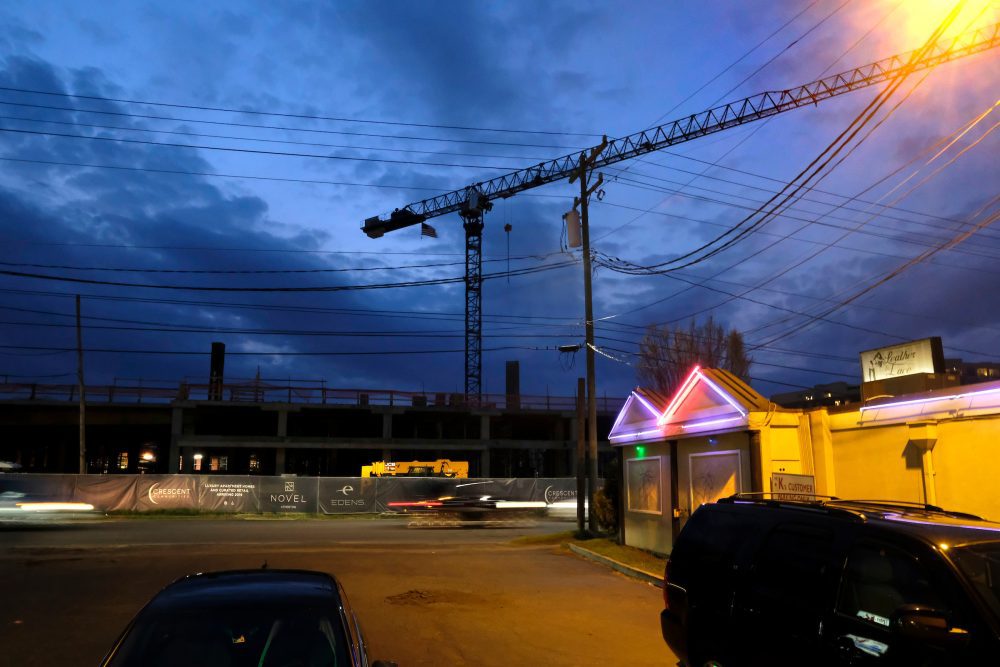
(279, 127)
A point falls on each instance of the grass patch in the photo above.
(631, 556)
(547, 538)
(171, 514)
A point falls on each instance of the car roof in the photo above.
(949, 530)
(927, 522)
(248, 587)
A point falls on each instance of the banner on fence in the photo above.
(222, 493)
(106, 492)
(346, 495)
(288, 494)
(244, 494)
(165, 492)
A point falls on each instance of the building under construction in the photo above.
(265, 428)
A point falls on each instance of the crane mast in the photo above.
(473, 201)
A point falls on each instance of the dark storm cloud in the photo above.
(446, 63)
(158, 218)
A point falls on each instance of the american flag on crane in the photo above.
(427, 230)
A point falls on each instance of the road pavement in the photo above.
(424, 596)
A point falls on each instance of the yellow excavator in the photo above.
(438, 468)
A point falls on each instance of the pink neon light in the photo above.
(635, 434)
(711, 422)
(679, 397)
(929, 400)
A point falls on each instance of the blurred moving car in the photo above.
(252, 618)
(758, 581)
(18, 503)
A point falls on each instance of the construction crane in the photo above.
(473, 201)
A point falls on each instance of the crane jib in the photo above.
(747, 110)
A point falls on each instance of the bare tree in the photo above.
(667, 354)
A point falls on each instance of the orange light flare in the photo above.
(948, 92)
(911, 23)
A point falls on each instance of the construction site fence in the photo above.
(262, 495)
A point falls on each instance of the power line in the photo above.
(895, 272)
(234, 353)
(844, 198)
(780, 53)
(281, 114)
(181, 172)
(114, 269)
(324, 288)
(865, 250)
(284, 127)
(264, 140)
(813, 171)
(253, 151)
(735, 63)
(784, 214)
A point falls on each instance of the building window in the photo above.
(986, 372)
(254, 463)
(123, 460)
(223, 463)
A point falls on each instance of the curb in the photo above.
(627, 570)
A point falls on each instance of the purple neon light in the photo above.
(653, 411)
(899, 517)
(645, 404)
(634, 434)
(710, 422)
(930, 400)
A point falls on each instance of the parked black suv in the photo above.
(759, 581)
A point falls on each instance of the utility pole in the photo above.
(585, 163)
(81, 390)
(581, 456)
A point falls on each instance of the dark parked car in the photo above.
(756, 581)
(253, 618)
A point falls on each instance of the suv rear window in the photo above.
(795, 563)
(711, 539)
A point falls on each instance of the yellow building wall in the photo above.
(782, 446)
(876, 462)
(967, 466)
(879, 462)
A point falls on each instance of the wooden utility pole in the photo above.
(585, 162)
(81, 390)
(581, 456)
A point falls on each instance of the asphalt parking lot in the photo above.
(424, 596)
